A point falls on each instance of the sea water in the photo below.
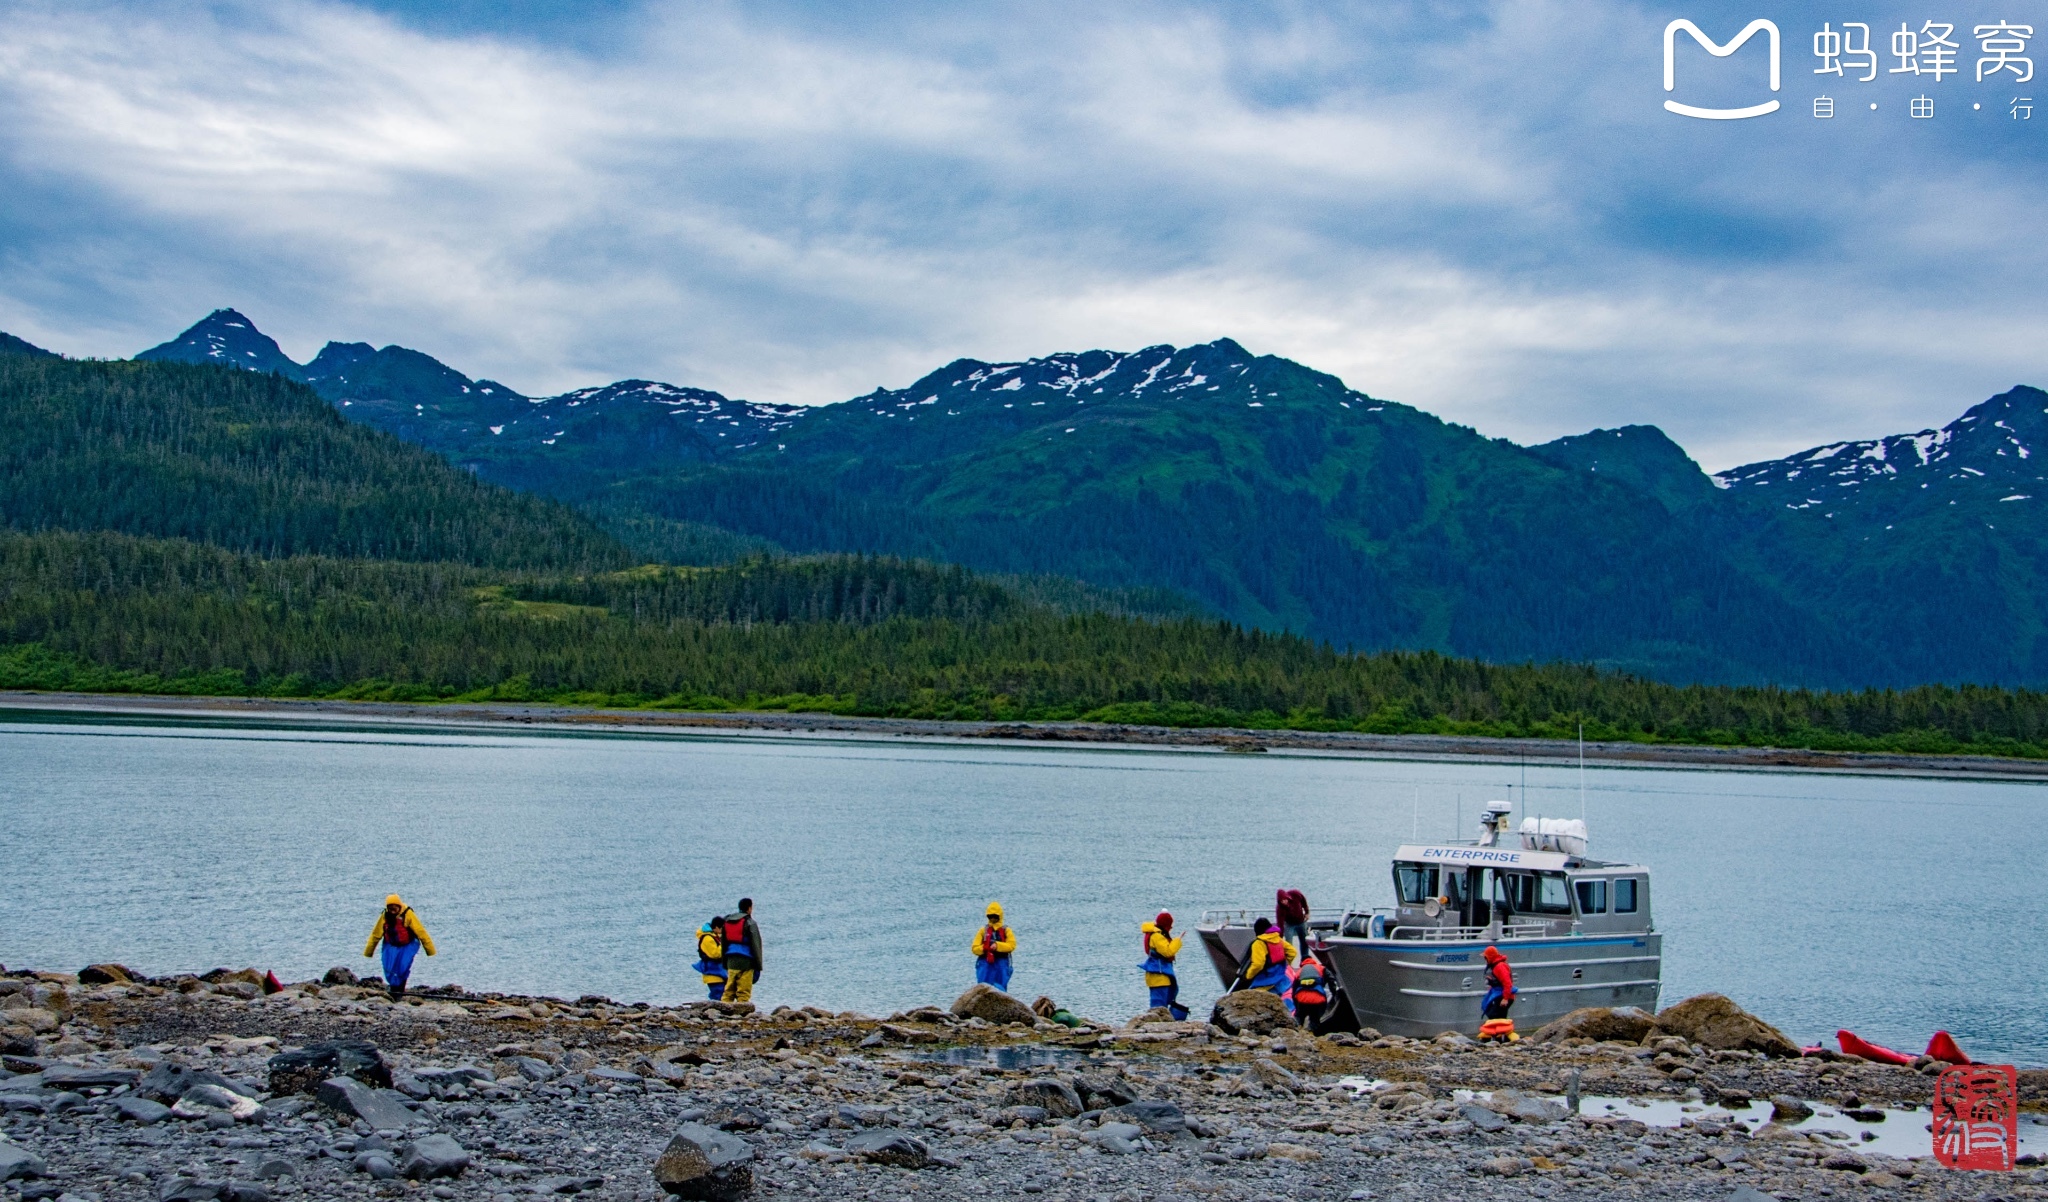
(566, 864)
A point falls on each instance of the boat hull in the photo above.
(1417, 988)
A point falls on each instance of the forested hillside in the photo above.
(109, 612)
(252, 462)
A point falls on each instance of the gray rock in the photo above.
(204, 1097)
(142, 1110)
(1251, 1012)
(274, 1168)
(1483, 1118)
(71, 1076)
(1625, 1023)
(1055, 1097)
(861, 1116)
(566, 1185)
(1788, 1109)
(17, 1161)
(169, 1081)
(1268, 1073)
(1744, 1193)
(245, 1191)
(613, 1076)
(885, 1145)
(433, 1156)
(1161, 1118)
(191, 1189)
(1033, 1115)
(383, 1109)
(705, 1164)
(376, 1163)
(1846, 1162)
(990, 1004)
(301, 1070)
(533, 1069)
(1117, 1139)
(1101, 1093)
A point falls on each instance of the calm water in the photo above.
(563, 865)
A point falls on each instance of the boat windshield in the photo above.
(1415, 883)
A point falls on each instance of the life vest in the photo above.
(735, 932)
(710, 956)
(990, 936)
(1308, 987)
(1154, 962)
(1502, 1029)
(396, 932)
(1501, 977)
(1274, 975)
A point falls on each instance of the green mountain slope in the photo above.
(10, 345)
(251, 461)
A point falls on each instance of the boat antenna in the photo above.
(1582, 770)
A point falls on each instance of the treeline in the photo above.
(252, 462)
(107, 612)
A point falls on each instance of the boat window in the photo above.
(1553, 894)
(1454, 886)
(1625, 895)
(1592, 897)
(1415, 882)
(1516, 891)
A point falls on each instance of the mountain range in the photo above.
(1281, 498)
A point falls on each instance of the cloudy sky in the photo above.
(1478, 208)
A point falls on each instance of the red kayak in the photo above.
(1942, 1047)
(1853, 1045)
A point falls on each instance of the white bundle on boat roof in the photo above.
(1567, 835)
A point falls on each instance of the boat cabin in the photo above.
(1460, 890)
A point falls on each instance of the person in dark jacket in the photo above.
(741, 936)
(1290, 914)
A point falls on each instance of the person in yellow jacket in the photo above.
(711, 957)
(1265, 966)
(992, 947)
(1162, 946)
(403, 935)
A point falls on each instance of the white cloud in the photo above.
(799, 214)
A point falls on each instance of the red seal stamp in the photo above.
(1977, 1116)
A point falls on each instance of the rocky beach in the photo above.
(228, 1086)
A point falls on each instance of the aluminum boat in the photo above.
(1576, 932)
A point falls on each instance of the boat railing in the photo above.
(1514, 930)
(1243, 917)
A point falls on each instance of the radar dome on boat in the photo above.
(1567, 835)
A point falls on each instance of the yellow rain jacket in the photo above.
(412, 923)
(1166, 947)
(1268, 949)
(1004, 939)
(711, 951)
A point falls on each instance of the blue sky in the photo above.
(1478, 208)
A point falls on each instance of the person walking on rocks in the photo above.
(741, 937)
(1161, 947)
(1500, 996)
(711, 957)
(403, 935)
(993, 945)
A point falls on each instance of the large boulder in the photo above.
(897, 1149)
(705, 1164)
(383, 1109)
(432, 1156)
(301, 1070)
(1626, 1024)
(172, 1079)
(1054, 1096)
(106, 974)
(990, 1004)
(17, 1161)
(1713, 1021)
(1251, 1012)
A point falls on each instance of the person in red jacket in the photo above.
(1290, 914)
(1500, 995)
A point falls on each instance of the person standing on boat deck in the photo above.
(1265, 966)
(741, 937)
(993, 945)
(1161, 947)
(403, 935)
(1290, 910)
(711, 957)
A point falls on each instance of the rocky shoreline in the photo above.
(188, 1088)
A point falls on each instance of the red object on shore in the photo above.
(1943, 1047)
(1853, 1045)
(271, 984)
